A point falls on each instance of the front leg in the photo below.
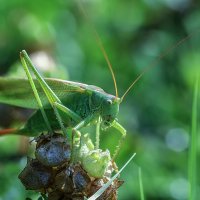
(68, 112)
(74, 131)
(85, 122)
(121, 129)
(98, 133)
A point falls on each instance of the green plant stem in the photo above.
(141, 184)
(192, 166)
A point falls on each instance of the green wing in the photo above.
(18, 92)
(35, 124)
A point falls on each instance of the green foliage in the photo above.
(156, 113)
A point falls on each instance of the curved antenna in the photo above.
(165, 53)
(107, 60)
(100, 44)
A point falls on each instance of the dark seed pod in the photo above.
(36, 176)
(53, 150)
(63, 181)
(77, 196)
(56, 178)
(110, 193)
(55, 195)
(81, 179)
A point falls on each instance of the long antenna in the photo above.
(166, 52)
(100, 44)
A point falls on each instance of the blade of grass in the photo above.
(106, 185)
(141, 184)
(192, 165)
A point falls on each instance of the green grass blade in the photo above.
(141, 184)
(192, 166)
(105, 186)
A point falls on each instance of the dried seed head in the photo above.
(110, 193)
(63, 181)
(57, 195)
(53, 151)
(52, 173)
(81, 179)
(36, 176)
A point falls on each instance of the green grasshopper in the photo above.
(61, 103)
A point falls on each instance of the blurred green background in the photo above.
(157, 111)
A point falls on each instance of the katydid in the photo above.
(61, 103)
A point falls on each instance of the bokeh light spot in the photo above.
(177, 139)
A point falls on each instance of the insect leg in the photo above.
(81, 124)
(118, 126)
(49, 93)
(36, 94)
(84, 122)
(75, 134)
(71, 114)
(74, 131)
(67, 111)
(97, 133)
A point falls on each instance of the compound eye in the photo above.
(109, 101)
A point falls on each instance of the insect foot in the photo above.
(59, 174)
